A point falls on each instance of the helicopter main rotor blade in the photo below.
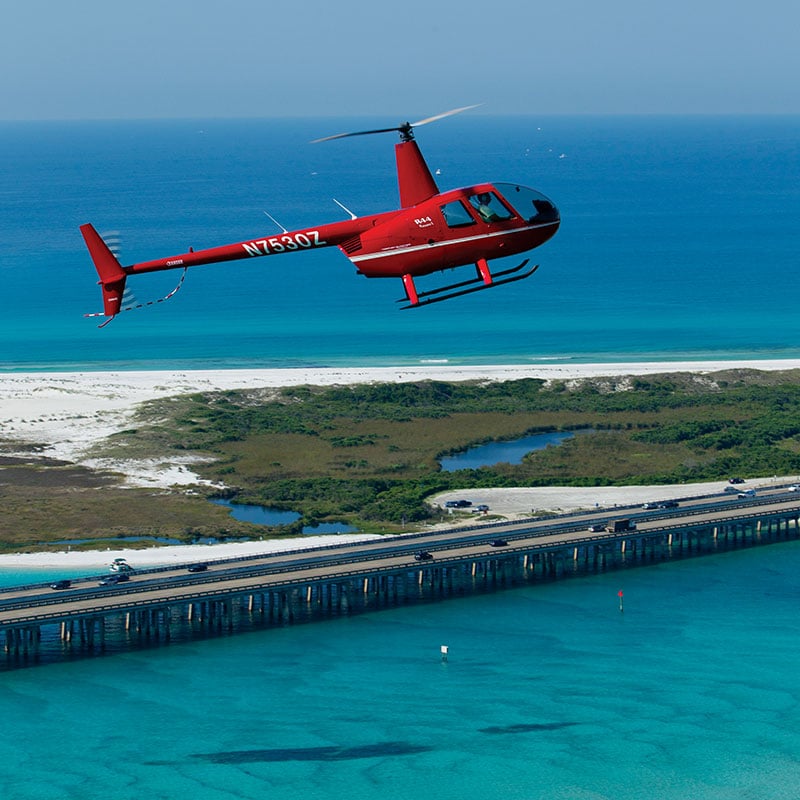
(404, 129)
(445, 114)
(354, 133)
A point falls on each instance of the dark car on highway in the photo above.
(113, 580)
(498, 543)
(198, 567)
(423, 555)
(63, 584)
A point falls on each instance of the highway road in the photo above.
(175, 584)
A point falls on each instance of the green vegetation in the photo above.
(50, 504)
(369, 454)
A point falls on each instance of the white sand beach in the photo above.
(65, 414)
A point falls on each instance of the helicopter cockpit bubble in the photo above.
(531, 205)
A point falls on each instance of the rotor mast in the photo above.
(414, 179)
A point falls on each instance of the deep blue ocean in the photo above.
(679, 240)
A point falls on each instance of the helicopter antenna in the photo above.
(405, 128)
(277, 224)
(344, 208)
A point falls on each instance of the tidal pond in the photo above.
(511, 452)
(270, 517)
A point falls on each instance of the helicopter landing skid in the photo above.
(468, 287)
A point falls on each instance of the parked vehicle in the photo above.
(458, 504)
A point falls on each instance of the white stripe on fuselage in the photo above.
(403, 249)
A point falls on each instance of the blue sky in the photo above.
(194, 58)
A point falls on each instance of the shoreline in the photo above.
(63, 414)
(167, 555)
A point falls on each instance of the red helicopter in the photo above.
(431, 232)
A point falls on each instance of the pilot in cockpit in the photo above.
(483, 204)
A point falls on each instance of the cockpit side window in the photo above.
(456, 215)
(489, 207)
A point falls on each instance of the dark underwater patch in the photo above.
(528, 727)
(329, 753)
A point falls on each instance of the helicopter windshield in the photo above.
(531, 205)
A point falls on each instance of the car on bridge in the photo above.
(113, 580)
(423, 555)
(198, 567)
(62, 584)
(662, 504)
(498, 543)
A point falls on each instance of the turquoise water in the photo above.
(548, 692)
(679, 240)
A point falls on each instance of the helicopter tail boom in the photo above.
(112, 276)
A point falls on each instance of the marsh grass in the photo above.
(369, 454)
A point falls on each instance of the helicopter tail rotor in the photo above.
(104, 252)
(112, 276)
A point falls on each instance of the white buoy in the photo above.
(444, 649)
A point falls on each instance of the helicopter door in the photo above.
(489, 207)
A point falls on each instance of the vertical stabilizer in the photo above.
(112, 276)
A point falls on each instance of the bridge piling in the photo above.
(281, 599)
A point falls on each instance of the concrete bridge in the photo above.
(169, 604)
